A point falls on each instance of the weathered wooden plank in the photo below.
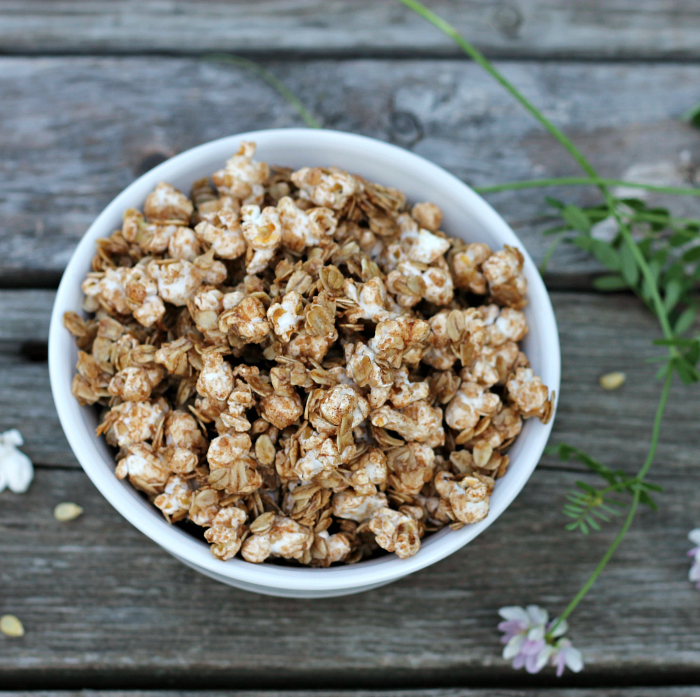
(598, 334)
(102, 606)
(522, 28)
(77, 130)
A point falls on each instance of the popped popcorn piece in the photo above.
(285, 317)
(405, 392)
(416, 422)
(320, 455)
(454, 334)
(420, 244)
(471, 402)
(177, 279)
(204, 506)
(328, 549)
(370, 473)
(263, 232)
(243, 177)
(369, 301)
(467, 500)
(166, 203)
(466, 266)
(427, 215)
(400, 340)
(529, 396)
(216, 379)
(226, 241)
(176, 499)
(16, 470)
(131, 423)
(231, 467)
(504, 273)
(144, 468)
(226, 532)
(508, 325)
(183, 244)
(135, 383)
(302, 229)
(283, 407)
(410, 467)
(328, 187)
(366, 371)
(286, 538)
(395, 532)
(339, 408)
(246, 320)
(357, 507)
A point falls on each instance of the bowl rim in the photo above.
(131, 505)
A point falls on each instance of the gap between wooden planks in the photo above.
(77, 130)
(623, 29)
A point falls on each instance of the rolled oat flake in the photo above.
(11, 626)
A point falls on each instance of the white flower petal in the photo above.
(514, 613)
(561, 628)
(694, 573)
(18, 471)
(512, 648)
(694, 536)
(573, 659)
(537, 615)
(3, 479)
(536, 633)
(542, 659)
(12, 438)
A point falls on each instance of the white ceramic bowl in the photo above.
(466, 215)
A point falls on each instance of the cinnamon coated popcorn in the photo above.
(300, 367)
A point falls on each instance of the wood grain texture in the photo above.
(598, 334)
(522, 28)
(77, 130)
(103, 606)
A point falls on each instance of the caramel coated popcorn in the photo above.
(301, 367)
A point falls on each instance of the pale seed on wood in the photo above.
(67, 511)
(11, 626)
(611, 381)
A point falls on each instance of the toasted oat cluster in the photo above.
(304, 365)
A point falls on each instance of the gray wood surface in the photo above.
(598, 334)
(102, 604)
(77, 130)
(522, 28)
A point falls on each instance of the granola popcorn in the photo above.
(301, 366)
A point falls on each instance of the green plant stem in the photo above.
(584, 181)
(271, 80)
(575, 153)
(624, 230)
(630, 515)
(481, 60)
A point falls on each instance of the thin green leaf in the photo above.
(672, 294)
(685, 320)
(576, 218)
(610, 283)
(605, 254)
(628, 264)
(692, 255)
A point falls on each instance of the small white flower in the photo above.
(16, 471)
(531, 641)
(694, 573)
